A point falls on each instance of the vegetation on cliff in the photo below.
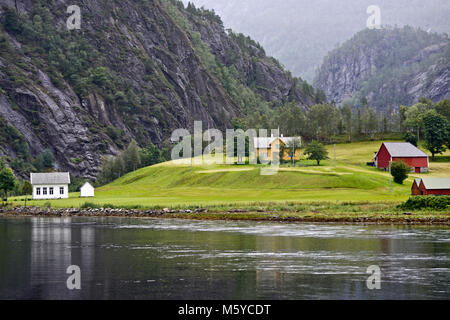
(136, 70)
(389, 67)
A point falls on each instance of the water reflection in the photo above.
(55, 245)
(174, 259)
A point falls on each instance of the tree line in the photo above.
(10, 185)
(328, 122)
(428, 122)
(130, 159)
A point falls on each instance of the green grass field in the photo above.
(173, 184)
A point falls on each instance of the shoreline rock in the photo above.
(203, 214)
(92, 212)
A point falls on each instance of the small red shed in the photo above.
(415, 189)
(402, 151)
(431, 186)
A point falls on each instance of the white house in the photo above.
(87, 190)
(54, 185)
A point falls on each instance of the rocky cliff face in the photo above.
(389, 67)
(261, 73)
(135, 70)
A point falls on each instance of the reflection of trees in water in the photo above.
(57, 243)
(15, 267)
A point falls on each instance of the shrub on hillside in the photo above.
(399, 171)
(426, 202)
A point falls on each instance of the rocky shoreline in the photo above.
(235, 214)
(92, 212)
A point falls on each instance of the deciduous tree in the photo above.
(347, 115)
(443, 108)
(436, 132)
(131, 157)
(316, 151)
(7, 179)
(150, 155)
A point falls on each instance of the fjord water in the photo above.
(184, 259)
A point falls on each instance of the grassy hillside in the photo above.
(174, 184)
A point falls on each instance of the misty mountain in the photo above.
(389, 67)
(300, 33)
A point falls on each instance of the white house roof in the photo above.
(50, 178)
(265, 142)
(87, 184)
(403, 149)
(436, 183)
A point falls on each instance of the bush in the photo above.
(426, 202)
(399, 171)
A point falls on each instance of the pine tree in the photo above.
(48, 159)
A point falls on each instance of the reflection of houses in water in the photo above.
(270, 271)
(56, 244)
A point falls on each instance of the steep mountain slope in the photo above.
(300, 33)
(389, 67)
(135, 70)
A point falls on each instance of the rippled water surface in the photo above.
(178, 259)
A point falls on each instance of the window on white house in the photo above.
(44, 191)
(50, 191)
(61, 190)
(38, 191)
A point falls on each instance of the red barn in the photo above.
(401, 151)
(415, 189)
(431, 186)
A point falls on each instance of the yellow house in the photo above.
(265, 147)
